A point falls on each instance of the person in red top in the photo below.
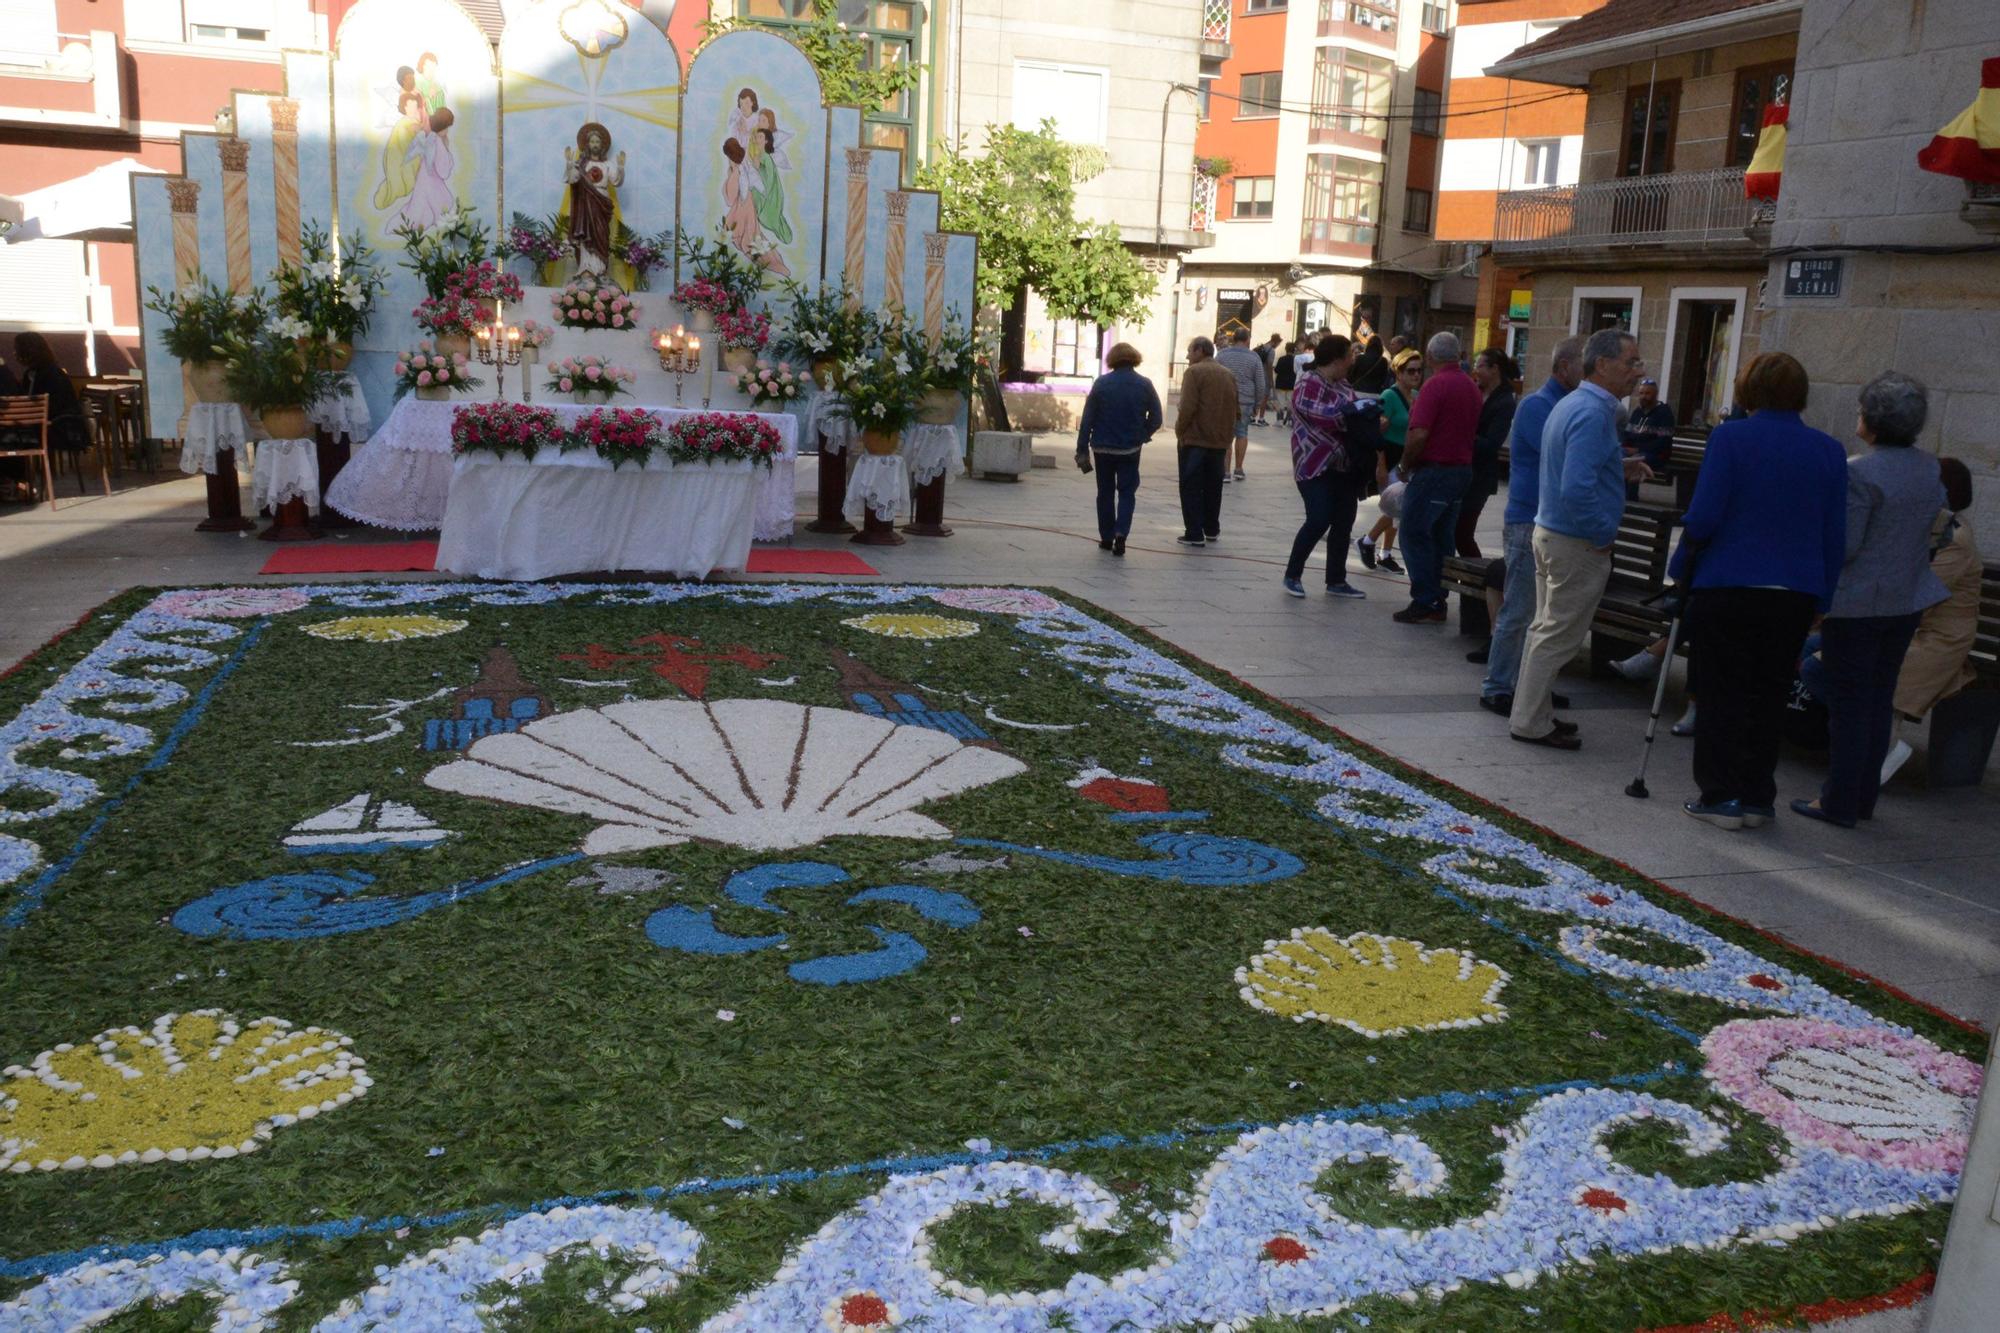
(1437, 465)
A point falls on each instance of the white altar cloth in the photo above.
(211, 428)
(343, 411)
(516, 518)
(403, 476)
(286, 470)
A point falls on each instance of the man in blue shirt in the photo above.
(1583, 476)
(1524, 488)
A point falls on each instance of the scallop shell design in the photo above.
(1377, 985)
(763, 774)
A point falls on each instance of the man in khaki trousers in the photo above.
(1583, 476)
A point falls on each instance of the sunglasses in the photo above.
(1411, 370)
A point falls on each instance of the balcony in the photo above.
(1692, 208)
(1201, 210)
(1215, 29)
(1368, 21)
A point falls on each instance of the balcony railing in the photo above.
(1378, 17)
(1679, 208)
(1215, 20)
(1201, 211)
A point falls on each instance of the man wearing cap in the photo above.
(1649, 433)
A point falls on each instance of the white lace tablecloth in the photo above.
(211, 428)
(931, 452)
(343, 410)
(827, 427)
(402, 478)
(880, 484)
(286, 470)
(515, 518)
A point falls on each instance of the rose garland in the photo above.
(723, 437)
(620, 434)
(505, 428)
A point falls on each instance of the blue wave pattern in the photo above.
(315, 903)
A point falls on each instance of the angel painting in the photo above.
(753, 189)
(417, 163)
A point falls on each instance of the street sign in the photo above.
(1814, 277)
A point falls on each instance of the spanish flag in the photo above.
(1969, 147)
(1767, 164)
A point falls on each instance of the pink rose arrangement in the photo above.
(449, 314)
(744, 328)
(722, 437)
(588, 375)
(766, 383)
(504, 428)
(483, 281)
(424, 367)
(586, 308)
(704, 294)
(620, 434)
(535, 335)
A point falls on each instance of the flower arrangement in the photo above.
(619, 434)
(882, 393)
(579, 307)
(445, 316)
(643, 254)
(719, 263)
(766, 384)
(951, 357)
(483, 281)
(825, 325)
(748, 329)
(333, 295)
(201, 317)
(270, 367)
(722, 437)
(505, 428)
(425, 367)
(456, 242)
(588, 375)
(709, 297)
(536, 240)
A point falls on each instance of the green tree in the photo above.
(1018, 197)
(841, 58)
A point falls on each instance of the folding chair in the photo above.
(21, 416)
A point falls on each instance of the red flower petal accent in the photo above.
(865, 1309)
(1762, 982)
(1461, 828)
(1125, 794)
(1285, 1250)
(1601, 899)
(1603, 1200)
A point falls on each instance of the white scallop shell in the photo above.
(756, 773)
(1871, 1093)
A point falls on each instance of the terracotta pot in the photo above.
(209, 380)
(940, 407)
(454, 344)
(826, 373)
(339, 356)
(286, 423)
(881, 442)
(701, 321)
(434, 394)
(736, 360)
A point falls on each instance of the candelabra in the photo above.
(500, 346)
(680, 355)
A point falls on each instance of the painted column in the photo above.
(183, 200)
(856, 265)
(236, 211)
(935, 246)
(892, 252)
(285, 175)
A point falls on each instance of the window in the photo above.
(1252, 197)
(1204, 87)
(1260, 96)
(1073, 345)
(1541, 161)
(1426, 112)
(229, 20)
(1073, 96)
(1416, 210)
(1343, 200)
(1437, 16)
(1375, 15)
(893, 30)
(27, 31)
(1351, 91)
(1757, 87)
(1649, 138)
(1264, 6)
(209, 32)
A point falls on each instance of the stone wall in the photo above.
(1875, 82)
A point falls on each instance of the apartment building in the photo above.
(1655, 235)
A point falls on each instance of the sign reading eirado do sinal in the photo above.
(1816, 276)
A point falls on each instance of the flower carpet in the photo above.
(826, 957)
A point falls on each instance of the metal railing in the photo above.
(1675, 208)
(1215, 20)
(1201, 209)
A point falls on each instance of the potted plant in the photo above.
(722, 437)
(450, 320)
(881, 395)
(433, 373)
(504, 428)
(770, 386)
(619, 434)
(455, 242)
(271, 373)
(202, 320)
(538, 242)
(723, 278)
(588, 379)
(643, 254)
(949, 363)
(486, 285)
(333, 295)
(743, 334)
(827, 327)
(580, 307)
(705, 302)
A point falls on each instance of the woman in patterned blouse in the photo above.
(1322, 403)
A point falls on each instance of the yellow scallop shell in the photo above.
(911, 625)
(384, 629)
(1377, 985)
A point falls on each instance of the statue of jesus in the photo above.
(590, 205)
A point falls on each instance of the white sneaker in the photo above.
(1641, 665)
(1685, 727)
(1899, 754)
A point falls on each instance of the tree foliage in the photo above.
(1018, 197)
(840, 57)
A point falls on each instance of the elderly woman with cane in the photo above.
(1765, 535)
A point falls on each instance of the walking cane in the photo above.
(1637, 787)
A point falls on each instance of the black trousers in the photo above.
(1331, 499)
(1750, 641)
(1201, 491)
(1860, 658)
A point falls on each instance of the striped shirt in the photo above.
(1317, 430)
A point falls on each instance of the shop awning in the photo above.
(96, 206)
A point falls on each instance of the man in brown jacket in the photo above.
(1206, 423)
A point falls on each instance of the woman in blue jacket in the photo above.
(1120, 415)
(1764, 541)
